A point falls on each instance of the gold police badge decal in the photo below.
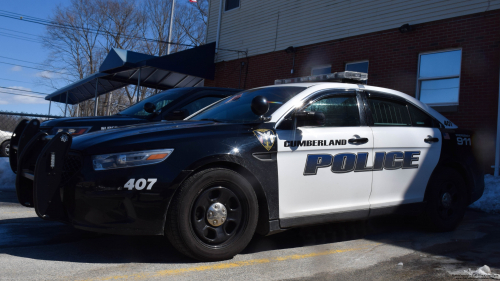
(266, 137)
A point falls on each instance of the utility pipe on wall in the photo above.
(497, 145)
(218, 28)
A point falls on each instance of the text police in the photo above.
(348, 162)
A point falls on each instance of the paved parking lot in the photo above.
(34, 249)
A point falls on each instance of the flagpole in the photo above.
(170, 28)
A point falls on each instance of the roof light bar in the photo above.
(345, 77)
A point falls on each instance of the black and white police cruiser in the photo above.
(261, 161)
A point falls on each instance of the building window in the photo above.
(439, 77)
(231, 4)
(322, 69)
(358, 66)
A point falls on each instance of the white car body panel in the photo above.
(326, 192)
(395, 187)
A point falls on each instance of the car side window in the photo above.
(200, 103)
(389, 113)
(339, 111)
(421, 119)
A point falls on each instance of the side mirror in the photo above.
(308, 118)
(177, 115)
(259, 105)
(149, 107)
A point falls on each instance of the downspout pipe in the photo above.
(218, 28)
(497, 145)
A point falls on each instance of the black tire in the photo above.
(446, 200)
(187, 226)
(5, 148)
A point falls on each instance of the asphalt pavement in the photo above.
(389, 248)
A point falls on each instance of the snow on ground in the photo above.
(7, 177)
(490, 201)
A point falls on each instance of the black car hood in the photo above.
(150, 135)
(114, 120)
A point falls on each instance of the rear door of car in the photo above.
(407, 146)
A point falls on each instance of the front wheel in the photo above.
(213, 215)
(446, 200)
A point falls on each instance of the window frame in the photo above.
(419, 80)
(366, 95)
(236, 8)
(358, 61)
(324, 94)
(321, 67)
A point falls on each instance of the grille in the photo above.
(72, 165)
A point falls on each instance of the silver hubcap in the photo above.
(446, 200)
(217, 214)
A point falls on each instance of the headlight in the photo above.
(129, 159)
(74, 131)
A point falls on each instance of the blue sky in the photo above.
(31, 52)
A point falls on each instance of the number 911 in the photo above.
(463, 141)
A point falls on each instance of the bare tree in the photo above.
(86, 30)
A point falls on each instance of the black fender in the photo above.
(459, 155)
(234, 163)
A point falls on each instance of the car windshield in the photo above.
(160, 100)
(237, 107)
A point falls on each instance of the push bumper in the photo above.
(61, 186)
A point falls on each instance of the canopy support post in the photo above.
(109, 104)
(77, 110)
(50, 103)
(139, 84)
(66, 104)
(95, 99)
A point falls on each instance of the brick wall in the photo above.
(393, 64)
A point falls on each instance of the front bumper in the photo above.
(61, 185)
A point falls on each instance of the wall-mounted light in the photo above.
(291, 50)
(406, 28)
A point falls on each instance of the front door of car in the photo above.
(323, 169)
(406, 150)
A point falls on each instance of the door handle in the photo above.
(431, 139)
(358, 141)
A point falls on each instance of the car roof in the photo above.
(314, 87)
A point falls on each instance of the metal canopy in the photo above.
(118, 59)
(85, 89)
(121, 68)
(182, 69)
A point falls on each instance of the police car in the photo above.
(173, 104)
(261, 161)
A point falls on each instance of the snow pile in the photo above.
(7, 177)
(490, 201)
(481, 273)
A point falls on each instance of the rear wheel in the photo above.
(446, 200)
(5, 148)
(213, 216)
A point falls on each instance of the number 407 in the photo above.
(140, 184)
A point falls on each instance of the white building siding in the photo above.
(254, 25)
